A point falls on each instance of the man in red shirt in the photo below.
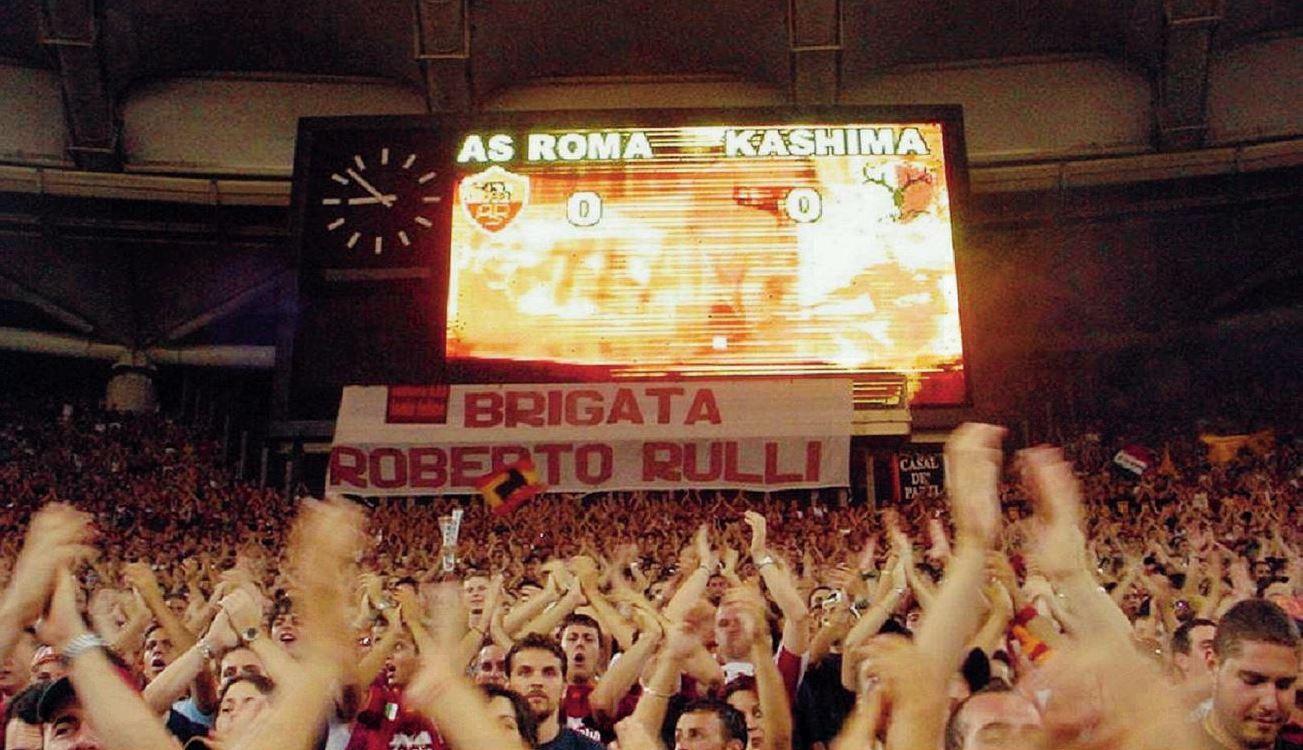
(386, 721)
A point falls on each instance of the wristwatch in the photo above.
(249, 634)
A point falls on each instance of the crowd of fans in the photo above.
(1046, 601)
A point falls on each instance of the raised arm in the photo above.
(694, 586)
(775, 711)
(127, 640)
(369, 667)
(550, 618)
(664, 682)
(623, 674)
(924, 589)
(118, 715)
(973, 462)
(246, 617)
(1061, 548)
(515, 621)
(189, 666)
(56, 537)
(141, 578)
(796, 632)
(611, 621)
(442, 691)
(973, 459)
(326, 538)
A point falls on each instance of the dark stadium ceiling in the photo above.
(146, 38)
(514, 39)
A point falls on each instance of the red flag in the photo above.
(509, 488)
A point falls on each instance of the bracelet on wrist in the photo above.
(80, 644)
(655, 693)
(762, 562)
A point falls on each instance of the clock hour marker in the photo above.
(339, 178)
(426, 177)
(384, 156)
(424, 221)
(402, 237)
(353, 239)
(431, 198)
(380, 244)
(361, 165)
(410, 158)
(336, 224)
(331, 201)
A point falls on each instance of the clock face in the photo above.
(383, 199)
(374, 197)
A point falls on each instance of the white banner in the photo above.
(754, 435)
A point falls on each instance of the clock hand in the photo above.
(384, 200)
(377, 199)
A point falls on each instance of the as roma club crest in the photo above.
(493, 198)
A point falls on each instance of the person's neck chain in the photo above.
(1219, 735)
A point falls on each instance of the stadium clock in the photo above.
(371, 194)
(379, 200)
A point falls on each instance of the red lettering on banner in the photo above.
(506, 455)
(813, 449)
(583, 408)
(733, 472)
(703, 407)
(605, 464)
(591, 415)
(772, 463)
(524, 407)
(690, 470)
(663, 397)
(625, 408)
(483, 409)
(555, 405)
(654, 467)
(466, 471)
(553, 452)
(771, 467)
(347, 466)
(427, 467)
(398, 478)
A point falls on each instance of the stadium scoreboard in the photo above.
(637, 245)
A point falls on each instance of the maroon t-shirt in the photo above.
(387, 724)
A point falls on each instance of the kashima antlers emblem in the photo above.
(493, 198)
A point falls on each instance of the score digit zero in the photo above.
(803, 205)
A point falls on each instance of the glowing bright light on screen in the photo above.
(695, 263)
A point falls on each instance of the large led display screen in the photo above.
(756, 246)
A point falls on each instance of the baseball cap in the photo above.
(55, 696)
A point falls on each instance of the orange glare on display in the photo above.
(788, 250)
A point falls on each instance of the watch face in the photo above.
(376, 198)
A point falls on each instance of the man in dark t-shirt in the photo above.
(536, 670)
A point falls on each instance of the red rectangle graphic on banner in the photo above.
(417, 404)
